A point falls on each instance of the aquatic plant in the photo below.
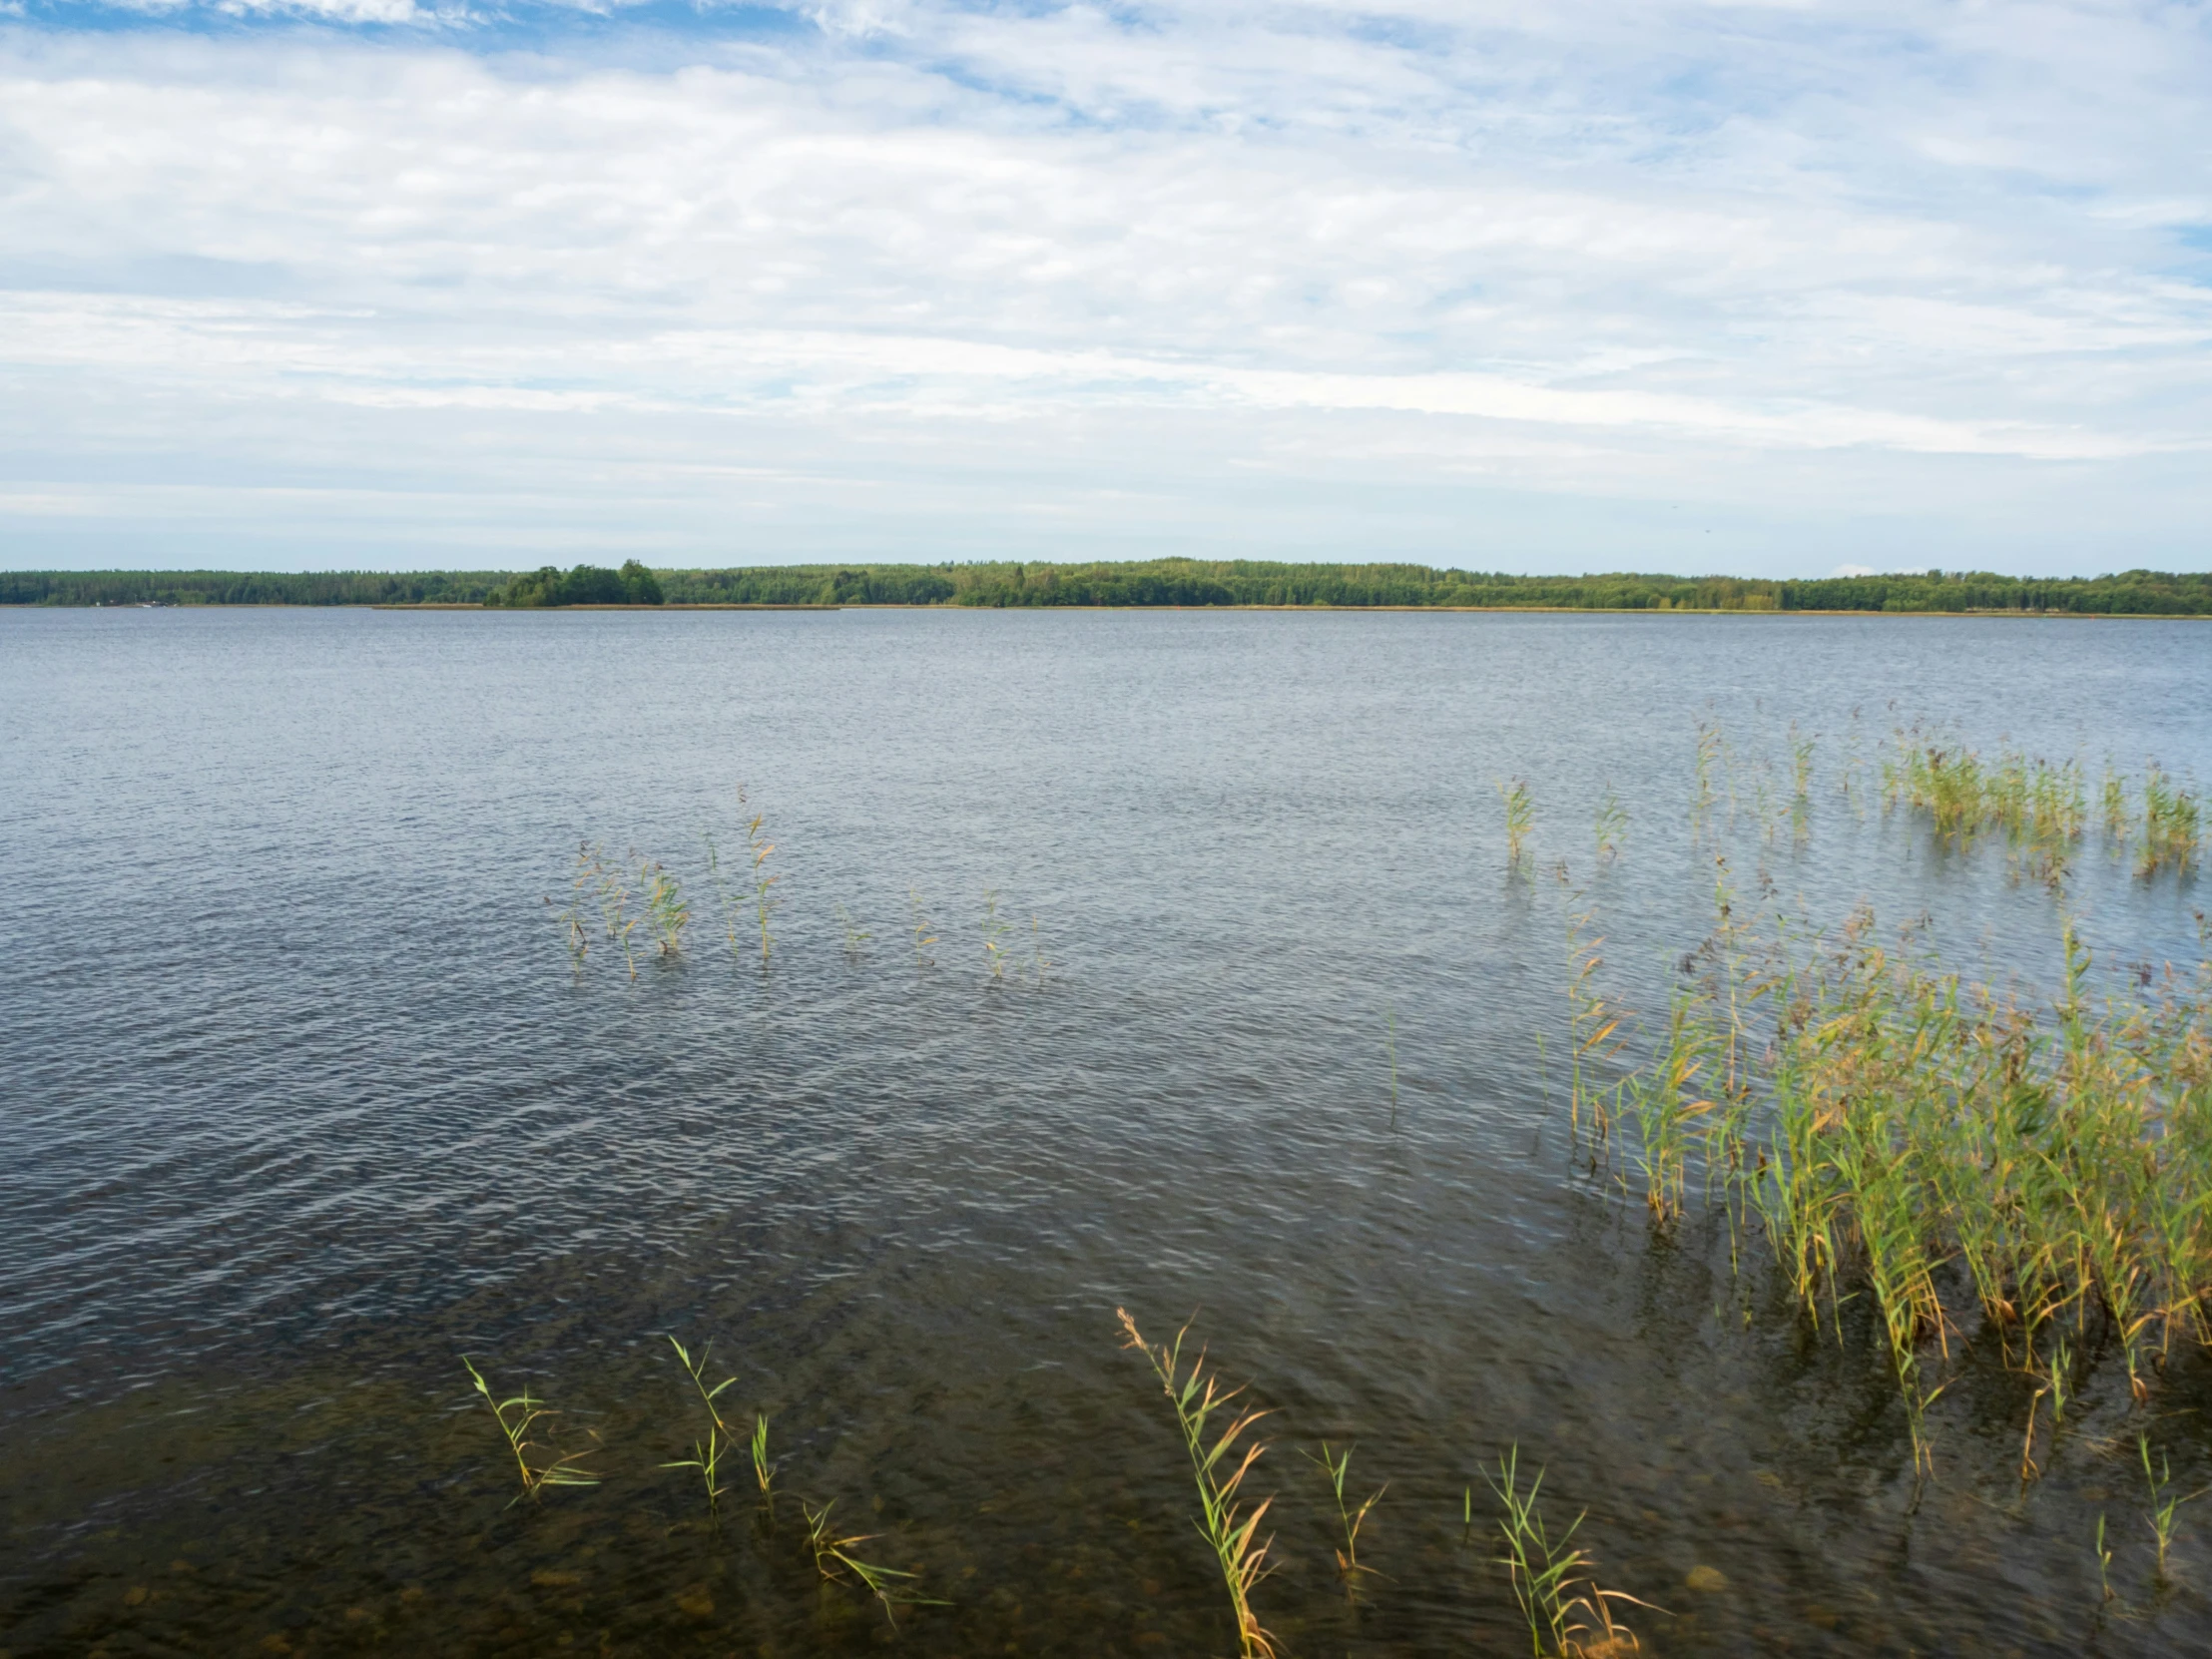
(706, 1455)
(2104, 1561)
(1909, 1119)
(2163, 1503)
(1336, 1464)
(1389, 1053)
(834, 1558)
(1612, 827)
(1229, 1527)
(611, 897)
(664, 908)
(1520, 816)
(923, 937)
(994, 929)
(1594, 1029)
(763, 1466)
(2171, 826)
(1569, 1616)
(573, 935)
(1036, 947)
(758, 846)
(516, 1417)
(855, 939)
(1708, 755)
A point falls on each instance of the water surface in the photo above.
(305, 1101)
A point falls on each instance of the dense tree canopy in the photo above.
(1155, 581)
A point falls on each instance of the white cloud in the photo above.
(1439, 270)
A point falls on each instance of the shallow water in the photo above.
(303, 1101)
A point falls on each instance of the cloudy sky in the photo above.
(1773, 288)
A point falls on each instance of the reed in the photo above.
(1899, 1122)
(763, 1466)
(834, 1559)
(1336, 1464)
(612, 896)
(764, 902)
(1593, 1027)
(994, 932)
(923, 937)
(1801, 782)
(1708, 756)
(2172, 826)
(2164, 1505)
(855, 942)
(573, 935)
(1229, 1527)
(1036, 947)
(2104, 1562)
(1389, 1050)
(665, 908)
(516, 1417)
(1569, 1616)
(1520, 816)
(1612, 827)
(706, 1455)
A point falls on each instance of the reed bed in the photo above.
(2042, 808)
(1956, 1149)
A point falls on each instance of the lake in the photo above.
(1162, 960)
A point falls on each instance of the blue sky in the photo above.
(1770, 288)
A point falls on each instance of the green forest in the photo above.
(1153, 582)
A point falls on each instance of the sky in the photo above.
(1773, 290)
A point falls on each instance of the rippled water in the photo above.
(303, 1101)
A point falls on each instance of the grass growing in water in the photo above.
(516, 1418)
(1612, 827)
(1336, 1464)
(1569, 1617)
(1920, 1130)
(2171, 827)
(664, 908)
(994, 930)
(834, 1558)
(764, 902)
(2163, 1503)
(1229, 1527)
(923, 937)
(706, 1455)
(1520, 816)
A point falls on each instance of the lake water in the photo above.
(303, 1101)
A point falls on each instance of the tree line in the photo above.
(1153, 582)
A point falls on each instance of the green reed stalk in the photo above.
(1336, 1464)
(764, 1467)
(706, 1455)
(516, 1418)
(1228, 1528)
(1520, 816)
(664, 908)
(834, 1558)
(1612, 827)
(2164, 1505)
(855, 942)
(923, 939)
(1567, 1614)
(994, 929)
(765, 904)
